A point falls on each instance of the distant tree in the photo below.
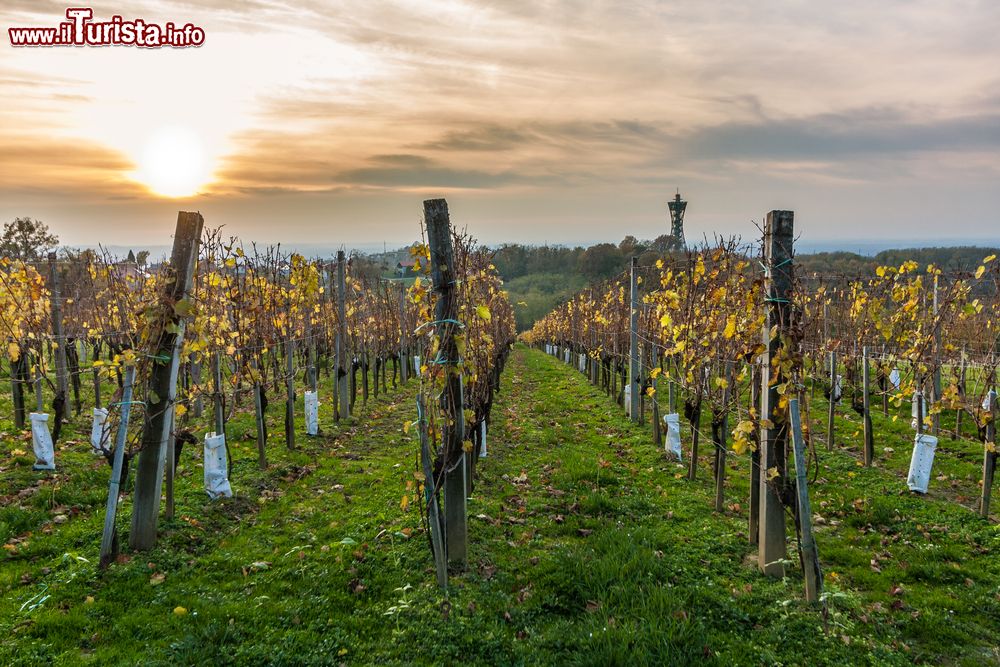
(630, 245)
(662, 243)
(601, 261)
(142, 257)
(27, 239)
(131, 257)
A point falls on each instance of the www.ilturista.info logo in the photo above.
(81, 30)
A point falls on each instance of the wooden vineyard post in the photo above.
(169, 471)
(258, 409)
(935, 399)
(197, 405)
(97, 378)
(754, 522)
(634, 344)
(657, 426)
(217, 410)
(961, 394)
(771, 549)
(807, 552)
(869, 454)
(720, 427)
(404, 362)
(833, 401)
(62, 386)
(343, 393)
(290, 392)
(165, 349)
(452, 402)
(312, 374)
(431, 500)
(118, 461)
(17, 378)
(989, 457)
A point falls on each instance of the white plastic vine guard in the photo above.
(416, 366)
(628, 399)
(583, 363)
(672, 442)
(913, 409)
(41, 442)
(838, 389)
(311, 400)
(98, 434)
(216, 467)
(921, 462)
(894, 378)
(482, 439)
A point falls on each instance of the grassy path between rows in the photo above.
(587, 546)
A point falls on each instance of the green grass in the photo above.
(587, 546)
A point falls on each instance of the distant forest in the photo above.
(538, 278)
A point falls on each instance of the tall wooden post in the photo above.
(217, 410)
(774, 429)
(833, 401)
(452, 402)
(197, 405)
(290, 394)
(990, 456)
(961, 396)
(404, 362)
(808, 553)
(754, 522)
(869, 454)
(634, 343)
(170, 469)
(17, 378)
(165, 349)
(720, 429)
(343, 390)
(258, 409)
(117, 463)
(936, 398)
(62, 384)
(97, 378)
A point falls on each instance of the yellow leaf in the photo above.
(13, 351)
(772, 473)
(980, 271)
(180, 611)
(987, 260)
(484, 313)
(730, 327)
(404, 503)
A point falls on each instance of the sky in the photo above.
(539, 121)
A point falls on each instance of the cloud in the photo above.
(883, 132)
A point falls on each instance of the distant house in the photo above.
(405, 268)
(128, 271)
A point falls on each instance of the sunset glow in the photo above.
(173, 163)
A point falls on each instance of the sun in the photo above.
(173, 163)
